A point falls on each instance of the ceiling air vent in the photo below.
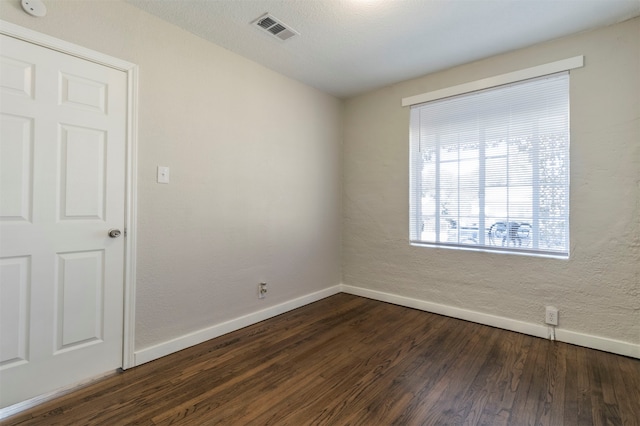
(275, 27)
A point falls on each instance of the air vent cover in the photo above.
(275, 27)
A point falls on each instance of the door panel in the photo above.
(16, 167)
(82, 93)
(14, 311)
(16, 76)
(80, 289)
(62, 153)
(82, 173)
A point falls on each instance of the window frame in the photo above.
(416, 161)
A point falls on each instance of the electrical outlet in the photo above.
(551, 315)
(262, 290)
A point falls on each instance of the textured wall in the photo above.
(598, 289)
(255, 171)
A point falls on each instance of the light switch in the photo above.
(163, 174)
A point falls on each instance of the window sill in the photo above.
(488, 249)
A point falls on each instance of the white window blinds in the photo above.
(490, 169)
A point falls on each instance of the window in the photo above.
(489, 169)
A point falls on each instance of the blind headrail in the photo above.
(498, 80)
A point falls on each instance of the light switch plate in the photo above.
(163, 174)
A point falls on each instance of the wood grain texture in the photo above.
(347, 360)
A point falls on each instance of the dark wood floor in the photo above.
(347, 360)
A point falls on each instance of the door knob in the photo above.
(114, 233)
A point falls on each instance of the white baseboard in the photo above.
(575, 338)
(595, 342)
(14, 409)
(600, 343)
(154, 352)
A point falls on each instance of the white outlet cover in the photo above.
(551, 315)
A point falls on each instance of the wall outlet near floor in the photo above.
(551, 315)
(262, 290)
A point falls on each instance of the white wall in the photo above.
(598, 289)
(255, 171)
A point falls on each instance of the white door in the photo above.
(62, 188)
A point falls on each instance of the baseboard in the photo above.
(575, 338)
(600, 343)
(595, 342)
(14, 409)
(158, 351)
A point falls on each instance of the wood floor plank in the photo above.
(626, 371)
(583, 390)
(572, 393)
(556, 370)
(529, 405)
(513, 349)
(347, 360)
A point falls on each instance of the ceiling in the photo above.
(347, 47)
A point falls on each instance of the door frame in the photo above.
(131, 168)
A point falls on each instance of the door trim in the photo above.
(131, 169)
